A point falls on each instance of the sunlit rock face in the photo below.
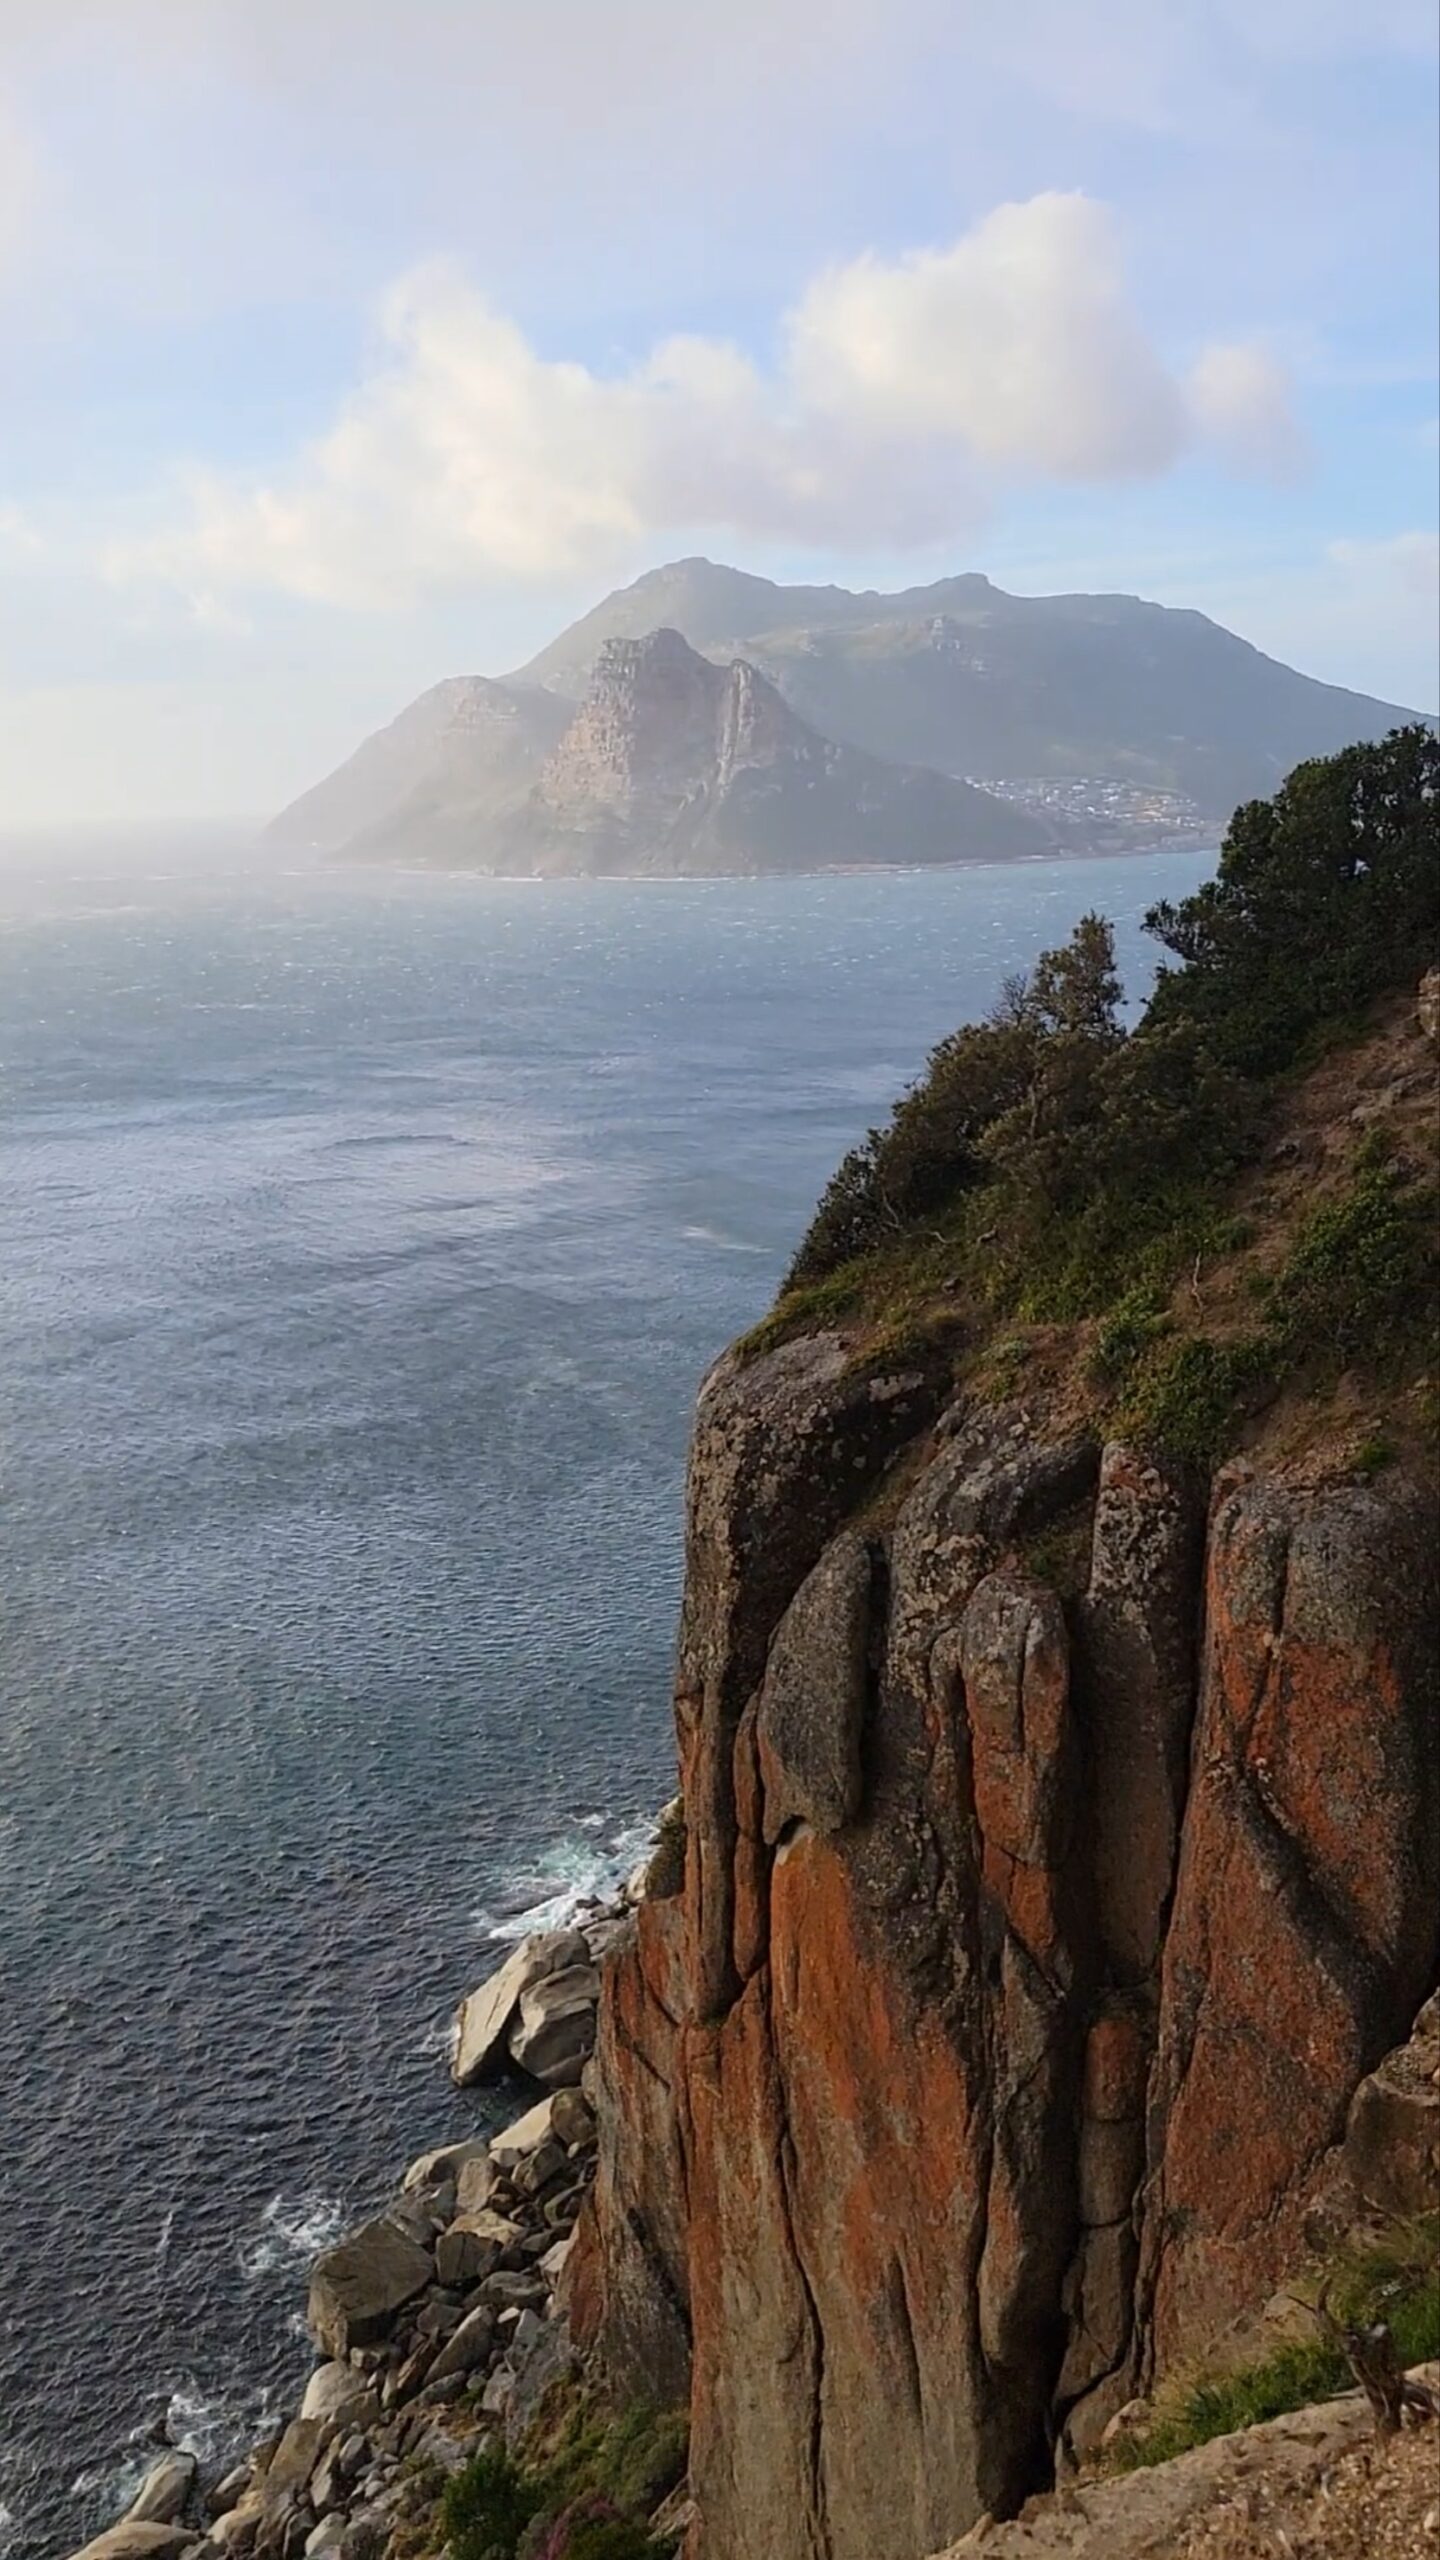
(1030, 1947)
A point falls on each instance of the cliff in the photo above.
(673, 765)
(669, 765)
(1062, 1810)
(1029, 1951)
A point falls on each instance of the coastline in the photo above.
(438, 2321)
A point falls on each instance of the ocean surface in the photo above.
(365, 1236)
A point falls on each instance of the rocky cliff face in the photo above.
(1062, 1851)
(672, 764)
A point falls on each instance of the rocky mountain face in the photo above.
(672, 764)
(930, 685)
(1038, 1922)
(1027, 1958)
(969, 680)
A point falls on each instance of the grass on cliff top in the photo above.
(1396, 2279)
(1166, 1230)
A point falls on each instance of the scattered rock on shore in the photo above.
(359, 2286)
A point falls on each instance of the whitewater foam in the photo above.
(572, 1877)
(292, 2231)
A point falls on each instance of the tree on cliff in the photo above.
(1325, 896)
(1081, 1137)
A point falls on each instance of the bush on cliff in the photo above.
(1084, 1140)
(486, 2507)
(1054, 1170)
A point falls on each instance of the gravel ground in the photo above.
(1378, 2503)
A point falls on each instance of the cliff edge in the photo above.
(1062, 1806)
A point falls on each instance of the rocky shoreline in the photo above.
(440, 2323)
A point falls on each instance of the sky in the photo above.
(349, 344)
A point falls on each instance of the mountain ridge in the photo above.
(1173, 717)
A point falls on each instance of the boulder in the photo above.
(485, 2016)
(295, 2458)
(473, 2246)
(164, 2490)
(136, 2540)
(572, 2120)
(476, 2183)
(541, 2356)
(358, 2288)
(341, 2395)
(467, 2346)
(525, 2135)
(552, 2264)
(549, 2161)
(328, 2535)
(442, 2167)
(236, 2530)
(1392, 2136)
(555, 2032)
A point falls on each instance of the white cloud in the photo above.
(18, 537)
(1017, 341)
(1240, 395)
(904, 393)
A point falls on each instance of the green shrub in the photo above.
(1187, 1396)
(614, 2538)
(1351, 1280)
(1135, 1323)
(486, 2507)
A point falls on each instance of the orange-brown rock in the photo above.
(1308, 1900)
(978, 1903)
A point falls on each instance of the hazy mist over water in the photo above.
(365, 1238)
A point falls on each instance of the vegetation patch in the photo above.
(1053, 1170)
(588, 2478)
(1396, 2280)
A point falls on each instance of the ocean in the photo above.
(365, 1237)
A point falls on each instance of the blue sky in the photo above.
(348, 344)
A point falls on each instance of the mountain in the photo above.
(466, 750)
(669, 764)
(957, 680)
(967, 679)
(673, 764)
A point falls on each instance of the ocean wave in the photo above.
(217, 2425)
(292, 2231)
(572, 1876)
(436, 2040)
(718, 1236)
